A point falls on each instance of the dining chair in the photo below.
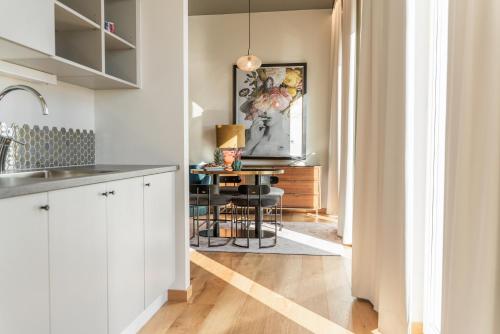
(258, 197)
(273, 181)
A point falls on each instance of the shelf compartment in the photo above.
(115, 42)
(83, 47)
(123, 13)
(89, 9)
(122, 64)
(67, 19)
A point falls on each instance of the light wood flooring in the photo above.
(257, 293)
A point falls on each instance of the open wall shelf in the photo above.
(86, 54)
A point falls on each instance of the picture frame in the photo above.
(271, 103)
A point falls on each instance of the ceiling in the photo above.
(213, 7)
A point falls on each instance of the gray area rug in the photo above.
(296, 238)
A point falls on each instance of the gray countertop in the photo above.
(11, 187)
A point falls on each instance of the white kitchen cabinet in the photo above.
(24, 265)
(88, 259)
(78, 260)
(125, 252)
(159, 234)
(29, 23)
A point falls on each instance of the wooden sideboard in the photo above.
(302, 186)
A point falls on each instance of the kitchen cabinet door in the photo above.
(24, 265)
(29, 23)
(125, 252)
(78, 266)
(159, 234)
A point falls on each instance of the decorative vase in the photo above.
(228, 158)
(237, 165)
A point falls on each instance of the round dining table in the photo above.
(258, 173)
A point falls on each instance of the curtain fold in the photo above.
(471, 271)
(342, 116)
(378, 269)
(335, 64)
(347, 119)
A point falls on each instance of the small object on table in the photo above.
(237, 164)
(218, 157)
(213, 167)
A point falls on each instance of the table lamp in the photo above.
(230, 138)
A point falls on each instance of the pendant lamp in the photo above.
(249, 63)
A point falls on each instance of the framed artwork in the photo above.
(269, 102)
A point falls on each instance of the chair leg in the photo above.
(275, 222)
(242, 219)
(191, 237)
(208, 225)
(196, 226)
(276, 226)
(281, 213)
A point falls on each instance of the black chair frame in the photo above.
(252, 192)
(209, 191)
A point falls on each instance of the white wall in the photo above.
(149, 126)
(216, 41)
(69, 106)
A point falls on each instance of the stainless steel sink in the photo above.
(54, 174)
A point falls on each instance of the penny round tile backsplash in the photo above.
(49, 147)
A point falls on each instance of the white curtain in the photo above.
(336, 73)
(471, 276)
(378, 269)
(340, 188)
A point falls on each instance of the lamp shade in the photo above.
(230, 136)
(248, 63)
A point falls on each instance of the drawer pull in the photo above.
(112, 192)
(45, 207)
(148, 184)
(105, 194)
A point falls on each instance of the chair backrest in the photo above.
(274, 180)
(262, 189)
(204, 189)
(230, 179)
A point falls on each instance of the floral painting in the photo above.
(269, 102)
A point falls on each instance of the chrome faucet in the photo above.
(6, 141)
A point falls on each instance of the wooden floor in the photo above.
(256, 293)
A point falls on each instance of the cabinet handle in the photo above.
(112, 192)
(45, 207)
(105, 194)
(148, 184)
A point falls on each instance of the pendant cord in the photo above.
(249, 18)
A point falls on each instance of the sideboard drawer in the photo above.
(301, 201)
(299, 187)
(300, 174)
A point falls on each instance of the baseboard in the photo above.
(146, 315)
(417, 328)
(180, 295)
